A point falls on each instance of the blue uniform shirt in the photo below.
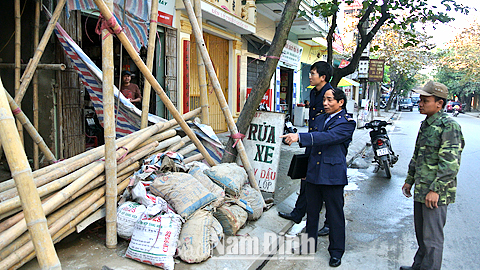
(327, 146)
(316, 103)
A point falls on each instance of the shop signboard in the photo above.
(375, 70)
(267, 97)
(262, 145)
(166, 9)
(291, 54)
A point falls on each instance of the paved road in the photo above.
(380, 233)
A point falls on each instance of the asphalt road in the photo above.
(380, 232)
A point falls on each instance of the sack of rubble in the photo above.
(154, 239)
(197, 171)
(127, 216)
(232, 217)
(254, 199)
(229, 176)
(141, 195)
(182, 191)
(198, 237)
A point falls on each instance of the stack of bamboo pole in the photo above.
(74, 189)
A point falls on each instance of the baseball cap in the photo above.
(432, 88)
(126, 72)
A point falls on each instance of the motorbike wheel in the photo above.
(386, 166)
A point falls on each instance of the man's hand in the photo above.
(406, 190)
(290, 138)
(431, 201)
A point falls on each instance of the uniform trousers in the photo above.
(301, 205)
(429, 225)
(332, 195)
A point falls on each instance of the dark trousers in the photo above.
(429, 225)
(333, 198)
(301, 205)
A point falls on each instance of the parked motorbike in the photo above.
(382, 148)
(288, 127)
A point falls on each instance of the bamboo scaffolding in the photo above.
(60, 67)
(218, 91)
(51, 172)
(63, 226)
(109, 125)
(202, 77)
(36, 37)
(32, 131)
(10, 234)
(22, 174)
(156, 86)
(32, 64)
(150, 54)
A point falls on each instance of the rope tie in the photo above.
(17, 111)
(237, 136)
(109, 25)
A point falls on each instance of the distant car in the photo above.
(405, 104)
(415, 100)
(451, 104)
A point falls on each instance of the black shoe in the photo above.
(324, 231)
(288, 216)
(335, 262)
(407, 268)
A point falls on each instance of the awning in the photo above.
(347, 82)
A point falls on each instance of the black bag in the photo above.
(298, 166)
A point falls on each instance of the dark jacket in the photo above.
(327, 147)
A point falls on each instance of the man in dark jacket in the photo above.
(327, 144)
(320, 75)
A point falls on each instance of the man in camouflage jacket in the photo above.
(433, 169)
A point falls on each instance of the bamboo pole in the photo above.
(22, 174)
(47, 174)
(109, 125)
(202, 77)
(36, 37)
(150, 54)
(60, 67)
(139, 63)
(159, 137)
(179, 145)
(218, 91)
(187, 149)
(18, 56)
(32, 64)
(196, 157)
(31, 130)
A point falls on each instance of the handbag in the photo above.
(298, 166)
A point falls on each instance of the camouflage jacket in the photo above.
(436, 159)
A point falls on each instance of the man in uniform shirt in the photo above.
(433, 169)
(130, 90)
(320, 74)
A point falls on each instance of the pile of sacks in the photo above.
(184, 210)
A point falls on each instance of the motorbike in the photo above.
(382, 148)
(455, 112)
(288, 127)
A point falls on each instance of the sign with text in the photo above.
(375, 70)
(267, 98)
(166, 10)
(291, 54)
(262, 144)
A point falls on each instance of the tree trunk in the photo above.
(263, 81)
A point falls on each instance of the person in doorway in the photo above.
(130, 90)
(327, 169)
(307, 103)
(433, 170)
(320, 74)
